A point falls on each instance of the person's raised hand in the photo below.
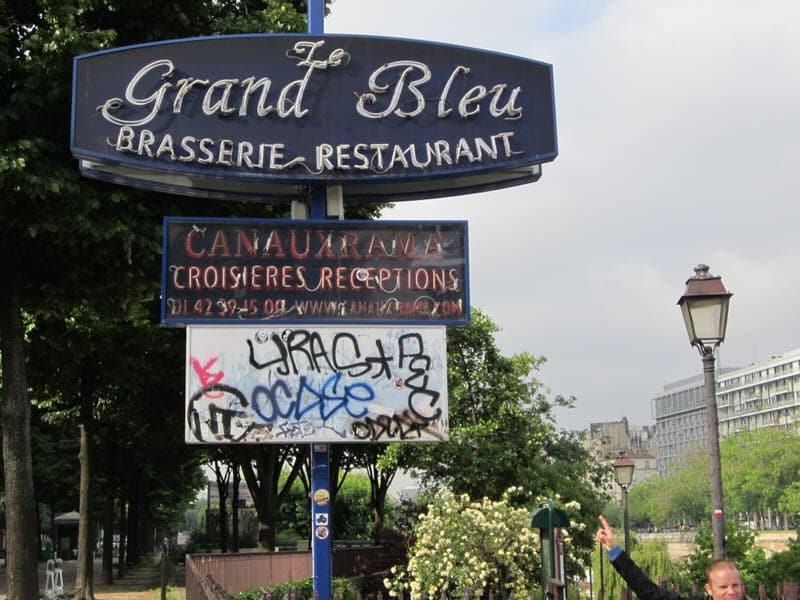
(605, 535)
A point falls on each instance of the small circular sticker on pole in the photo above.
(322, 497)
(322, 533)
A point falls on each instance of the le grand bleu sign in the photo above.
(254, 115)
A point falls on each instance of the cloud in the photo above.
(678, 134)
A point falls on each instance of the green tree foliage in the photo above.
(782, 566)
(651, 556)
(790, 499)
(301, 589)
(72, 246)
(759, 468)
(680, 498)
(353, 514)
(760, 471)
(739, 547)
(503, 433)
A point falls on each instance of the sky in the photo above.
(679, 143)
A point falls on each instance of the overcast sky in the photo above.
(679, 140)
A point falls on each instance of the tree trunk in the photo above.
(123, 536)
(53, 537)
(145, 531)
(133, 522)
(21, 566)
(379, 482)
(85, 578)
(108, 511)
(223, 478)
(108, 538)
(378, 514)
(235, 507)
(38, 531)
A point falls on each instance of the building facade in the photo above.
(764, 394)
(608, 439)
(680, 414)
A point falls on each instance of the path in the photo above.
(140, 582)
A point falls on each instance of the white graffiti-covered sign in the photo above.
(315, 384)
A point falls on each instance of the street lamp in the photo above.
(704, 305)
(623, 475)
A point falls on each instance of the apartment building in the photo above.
(607, 439)
(680, 414)
(764, 394)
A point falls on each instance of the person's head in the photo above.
(723, 581)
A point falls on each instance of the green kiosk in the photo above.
(550, 521)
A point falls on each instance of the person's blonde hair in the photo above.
(719, 564)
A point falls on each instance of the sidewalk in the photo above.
(140, 582)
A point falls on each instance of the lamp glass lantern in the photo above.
(704, 305)
(623, 471)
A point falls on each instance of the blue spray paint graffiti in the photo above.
(307, 399)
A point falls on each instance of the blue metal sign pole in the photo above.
(321, 520)
(317, 196)
(321, 509)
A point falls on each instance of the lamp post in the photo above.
(623, 474)
(704, 305)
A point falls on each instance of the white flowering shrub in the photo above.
(462, 544)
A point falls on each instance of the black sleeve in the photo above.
(639, 583)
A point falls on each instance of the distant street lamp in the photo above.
(623, 475)
(704, 305)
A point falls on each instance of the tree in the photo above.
(262, 467)
(790, 499)
(381, 467)
(739, 547)
(759, 468)
(782, 566)
(503, 433)
(67, 241)
(651, 556)
(222, 472)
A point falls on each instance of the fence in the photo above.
(234, 573)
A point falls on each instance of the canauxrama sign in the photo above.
(252, 116)
(265, 270)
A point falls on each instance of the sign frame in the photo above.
(317, 384)
(194, 181)
(178, 321)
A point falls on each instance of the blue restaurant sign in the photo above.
(253, 116)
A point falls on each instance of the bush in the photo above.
(783, 566)
(484, 546)
(342, 590)
(739, 547)
(352, 513)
